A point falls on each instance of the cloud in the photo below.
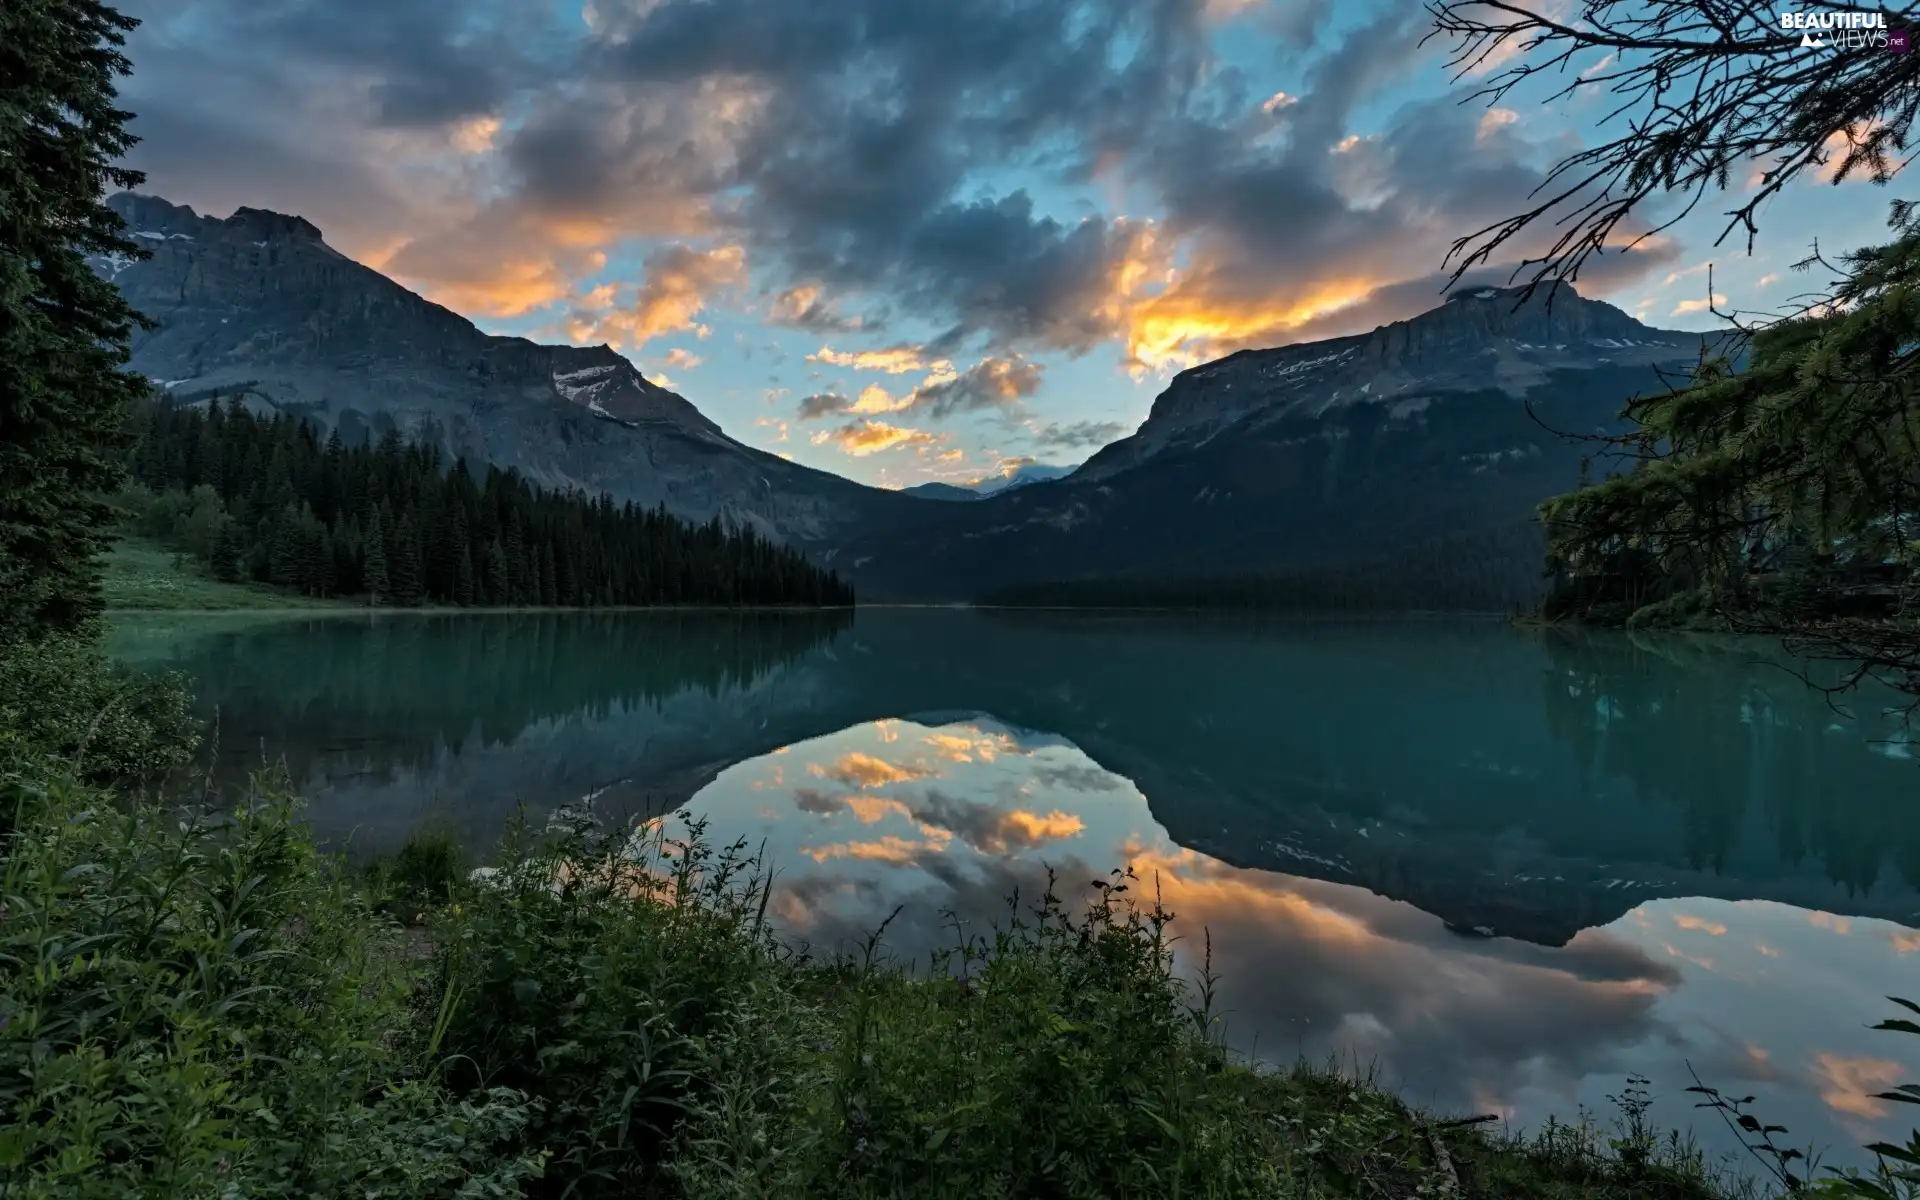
(859, 769)
(804, 306)
(498, 156)
(893, 360)
(1699, 924)
(823, 404)
(680, 280)
(682, 360)
(992, 383)
(1704, 304)
(867, 436)
(1077, 435)
(1847, 1084)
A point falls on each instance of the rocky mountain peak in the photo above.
(1478, 339)
(263, 223)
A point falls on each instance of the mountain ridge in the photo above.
(1317, 454)
(257, 304)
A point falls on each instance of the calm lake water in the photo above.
(1500, 869)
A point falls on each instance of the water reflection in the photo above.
(1503, 869)
(943, 822)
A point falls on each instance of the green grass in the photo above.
(143, 576)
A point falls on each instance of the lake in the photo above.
(1501, 869)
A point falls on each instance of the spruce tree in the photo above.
(374, 573)
(403, 565)
(64, 331)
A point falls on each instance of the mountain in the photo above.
(259, 305)
(1020, 476)
(1344, 451)
(941, 491)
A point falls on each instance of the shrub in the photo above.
(193, 1005)
(589, 969)
(62, 697)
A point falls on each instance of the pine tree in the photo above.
(499, 590)
(403, 564)
(227, 553)
(374, 572)
(462, 558)
(64, 331)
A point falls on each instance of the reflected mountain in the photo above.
(1519, 784)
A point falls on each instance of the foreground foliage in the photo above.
(1777, 498)
(203, 1005)
(63, 329)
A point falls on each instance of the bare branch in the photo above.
(1708, 90)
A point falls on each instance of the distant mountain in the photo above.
(940, 491)
(259, 305)
(1323, 453)
(992, 485)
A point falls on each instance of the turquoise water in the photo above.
(1503, 870)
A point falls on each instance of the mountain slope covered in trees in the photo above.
(258, 303)
(1325, 456)
(265, 498)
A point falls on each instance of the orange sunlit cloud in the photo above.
(1186, 324)
(1034, 828)
(893, 360)
(1717, 300)
(867, 436)
(871, 810)
(1494, 120)
(1826, 920)
(875, 399)
(859, 769)
(893, 851)
(475, 136)
(1189, 881)
(1699, 924)
(971, 745)
(1849, 1083)
(679, 284)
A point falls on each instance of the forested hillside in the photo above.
(1496, 570)
(265, 499)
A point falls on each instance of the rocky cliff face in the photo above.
(1345, 451)
(1480, 339)
(258, 305)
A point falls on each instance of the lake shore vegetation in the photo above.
(197, 1001)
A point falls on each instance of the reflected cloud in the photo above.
(859, 769)
(970, 744)
(1847, 1084)
(893, 851)
(1699, 924)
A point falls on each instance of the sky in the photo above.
(903, 240)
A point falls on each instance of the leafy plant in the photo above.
(197, 1004)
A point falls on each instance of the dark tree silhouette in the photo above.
(263, 499)
(1706, 90)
